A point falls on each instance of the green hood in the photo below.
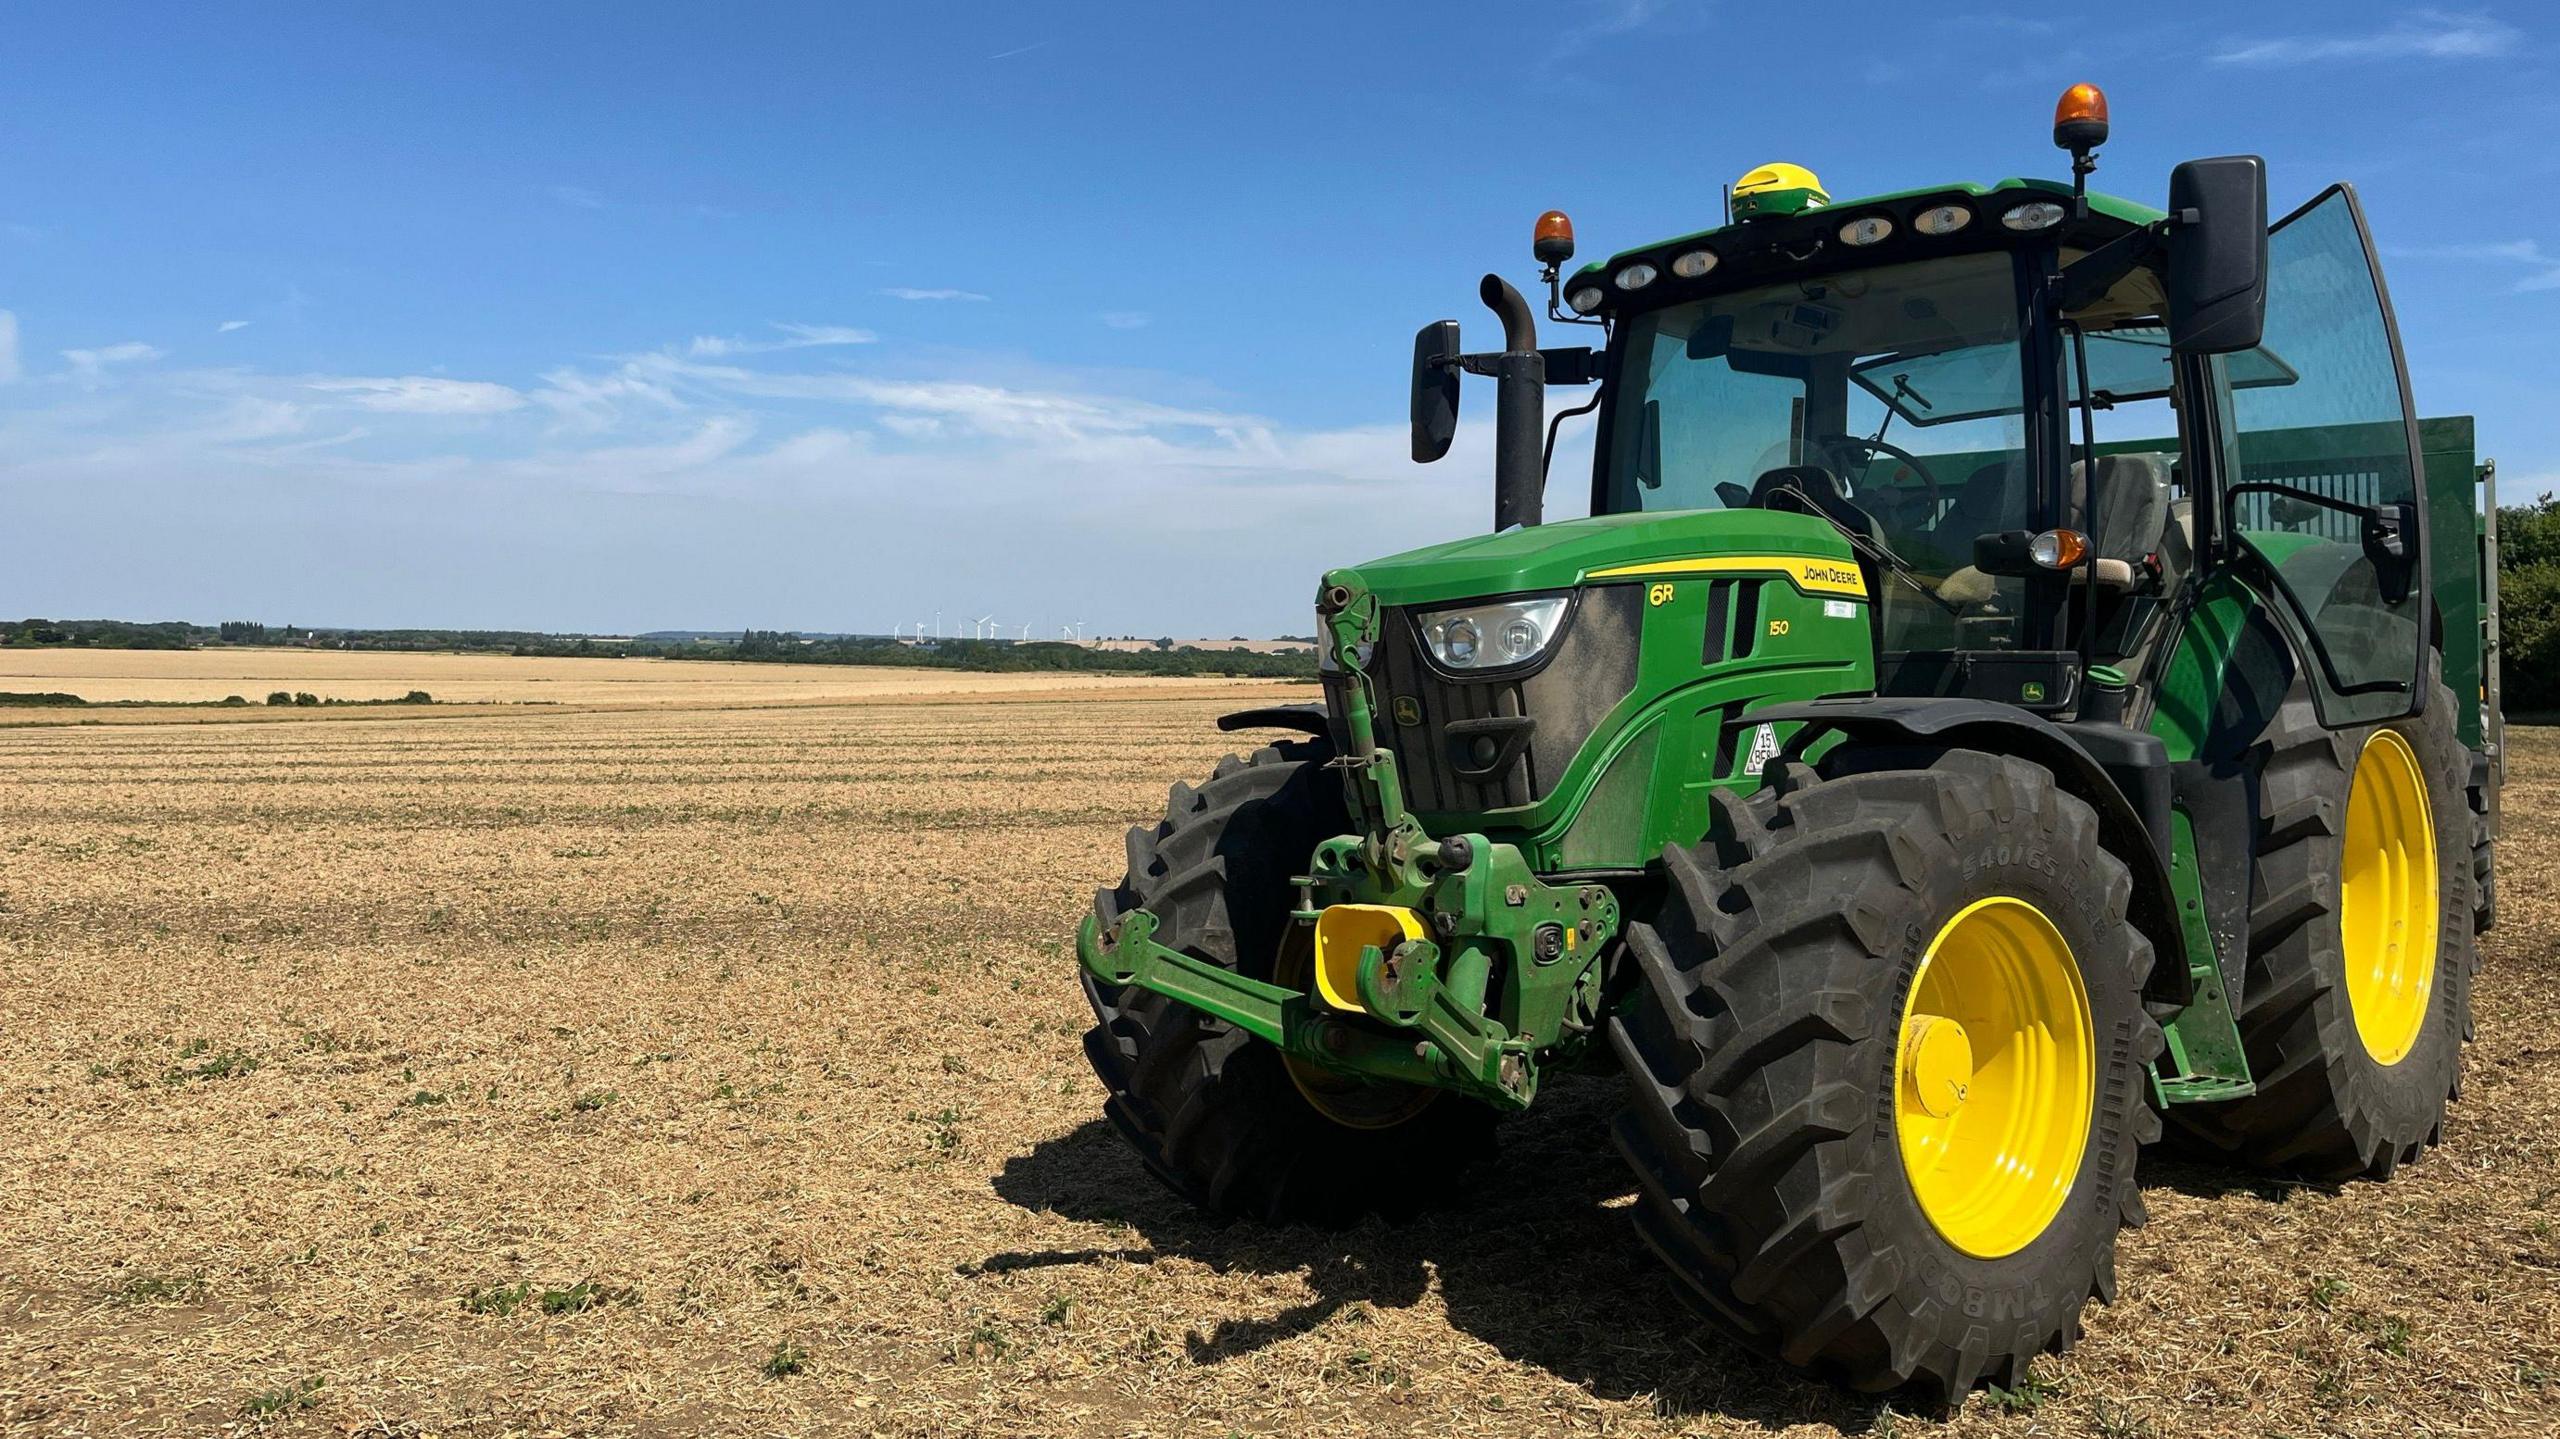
(1555, 556)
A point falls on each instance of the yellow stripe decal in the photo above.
(1805, 572)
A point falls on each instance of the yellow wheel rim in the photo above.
(1994, 1077)
(2387, 898)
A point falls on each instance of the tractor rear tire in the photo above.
(1222, 1117)
(2329, 1104)
(1776, 1022)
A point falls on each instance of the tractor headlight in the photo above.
(1494, 635)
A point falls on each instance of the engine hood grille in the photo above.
(1435, 720)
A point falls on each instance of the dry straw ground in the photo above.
(698, 1070)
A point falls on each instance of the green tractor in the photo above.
(2021, 681)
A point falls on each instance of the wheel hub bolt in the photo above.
(1937, 1064)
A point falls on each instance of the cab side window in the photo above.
(2323, 487)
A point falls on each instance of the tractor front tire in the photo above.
(2357, 997)
(1228, 1121)
(1885, 1052)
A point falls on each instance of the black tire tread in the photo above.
(2322, 1110)
(1208, 1108)
(1757, 980)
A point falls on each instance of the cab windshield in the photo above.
(1891, 399)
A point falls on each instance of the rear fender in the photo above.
(2141, 840)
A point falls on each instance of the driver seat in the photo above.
(2133, 509)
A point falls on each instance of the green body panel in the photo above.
(2205, 1058)
(2445, 448)
(1559, 555)
(1642, 780)
(2192, 680)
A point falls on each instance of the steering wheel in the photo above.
(1895, 452)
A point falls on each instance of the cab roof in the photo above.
(1769, 247)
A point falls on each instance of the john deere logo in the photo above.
(1658, 595)
(2031, 691)
(1408, 710)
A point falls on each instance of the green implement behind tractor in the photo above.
(2022, 680)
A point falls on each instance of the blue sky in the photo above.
(829, 317)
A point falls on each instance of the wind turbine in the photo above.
(978, 626)
(1026, 634)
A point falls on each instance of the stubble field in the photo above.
(684, 1069)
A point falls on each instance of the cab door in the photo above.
(2323, 490)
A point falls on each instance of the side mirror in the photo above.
(1435, 390)
(2004, 554)
(2217, 255)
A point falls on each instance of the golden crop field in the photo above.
(702, 1068)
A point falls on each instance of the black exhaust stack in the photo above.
(1520, 404)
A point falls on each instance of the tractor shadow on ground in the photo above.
(1543, 1265)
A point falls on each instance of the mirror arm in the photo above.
(1574, 366)
(2087, 279)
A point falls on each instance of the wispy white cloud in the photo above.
(1126, 319)
(2421, 35)
(593, 403)
(92, 364)
(423, 395)
(794, 337)
(2544, 269)
(2477, 250)
(1040, 466)
(1593, 24)
(577, 195)
(2001, 24)
(1018, 50)
(227, 326)
(8, 347)
(803, 336)
(910, 292)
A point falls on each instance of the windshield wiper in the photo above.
(1873, 549)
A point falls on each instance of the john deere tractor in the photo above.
(2021, 681)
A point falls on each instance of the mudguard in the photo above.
(2138, 838)
(1306, 719)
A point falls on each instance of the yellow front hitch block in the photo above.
(1344, 932)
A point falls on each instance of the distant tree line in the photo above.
(102, 634)
(1035, 656)
(764, 646)
(2529, 605)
